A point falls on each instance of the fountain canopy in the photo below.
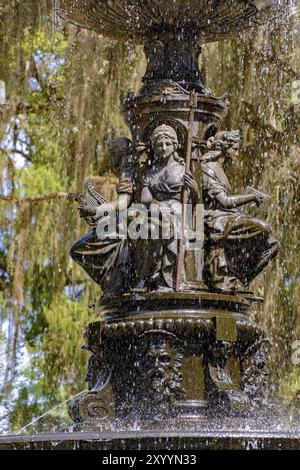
(208, 20)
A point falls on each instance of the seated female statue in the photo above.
(239, 245)
(106, 259)
(162, 187)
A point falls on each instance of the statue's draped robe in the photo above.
(107, 260)
(165, 185)
(250, 245)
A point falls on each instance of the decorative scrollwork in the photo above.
(95, 407)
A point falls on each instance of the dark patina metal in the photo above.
(166, 350)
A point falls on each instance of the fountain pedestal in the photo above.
(191, 357)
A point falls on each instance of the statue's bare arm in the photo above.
(231, 202)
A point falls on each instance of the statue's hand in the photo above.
(190, 182)
(87, 211)
(259, 199)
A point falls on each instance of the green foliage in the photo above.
(38, 179)
(64, 363)
(57, 85)
(289, 385)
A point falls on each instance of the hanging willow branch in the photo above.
(40, 197)
(252, 117)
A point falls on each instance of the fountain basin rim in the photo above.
(106, 435)
(148, 440)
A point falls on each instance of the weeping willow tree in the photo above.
(63, 87)
(63, 90)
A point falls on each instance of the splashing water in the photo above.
(60, 424)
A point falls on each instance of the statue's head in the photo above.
(164, 142)
(119, 149)
(227, 143)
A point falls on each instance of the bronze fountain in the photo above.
(174, 342)
(176, 361)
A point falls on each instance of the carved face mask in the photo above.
(160, 364)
